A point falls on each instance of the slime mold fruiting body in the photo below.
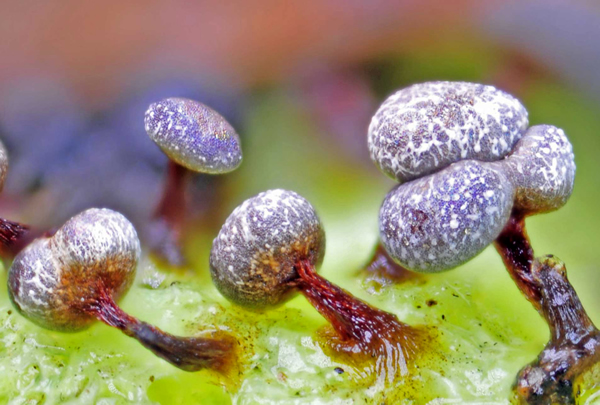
(253, 258)
(10, 232)
(3, 164)
(441, 221)
(465, 160)
(196, 139)
(270, 247)
(542, 168)
(471, 172)
(193, 135)
(69, 280)
(428, 126)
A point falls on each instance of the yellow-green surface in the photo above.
(487, 331)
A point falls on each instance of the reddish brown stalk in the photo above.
(172, 205)
(514, 247)
(574, 344)
(363, 334)
(169, 217)
(217, 352)
(12, 235)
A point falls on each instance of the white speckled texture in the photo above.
(542, 168)
(194, 135)
(52, 277)
(3, 165)
(253, 257)
(425, 127)
(426, 224)
(440, 221)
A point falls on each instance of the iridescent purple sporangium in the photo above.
(194, 135)
(465, 160)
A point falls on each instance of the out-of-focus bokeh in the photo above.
(300, 82)
(76, 77)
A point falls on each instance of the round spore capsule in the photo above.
(51, 280)
(254, 256)
(542, 169)
(440, 221)
(425, 127)
(193, 135)
(3, 165)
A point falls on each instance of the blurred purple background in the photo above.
(76, 77)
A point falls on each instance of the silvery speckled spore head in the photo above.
(3, 165)
(53, 278)
(440, 221)
(425, 127)
(194, 135)
(253, 258)
(542, 169)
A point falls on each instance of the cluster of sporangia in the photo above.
(470, 170)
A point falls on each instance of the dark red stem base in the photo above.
(362, 333)
(381, 264)
(169, 218)
(12, 235)
(574, 345)
(514, 247)
(218, 352)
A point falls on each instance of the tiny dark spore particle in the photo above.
(431, 302)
